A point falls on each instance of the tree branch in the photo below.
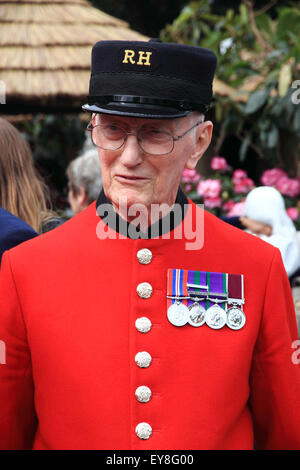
(220, 139)
(264, 45)
(265, 8)
(251, 145)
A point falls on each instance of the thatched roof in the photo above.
(45, 49)
(45, 52)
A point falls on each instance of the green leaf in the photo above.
(184, 16)
(288, 21)
(243, 14)
(256, 101)
(264, 23)
(285, 78)
(277, 108)
(229, 15)
(272, 137)
(244, 149)
(296, 120)
(274, 54)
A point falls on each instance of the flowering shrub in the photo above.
(224, 192)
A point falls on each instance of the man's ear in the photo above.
(203, 139)
(94, 119)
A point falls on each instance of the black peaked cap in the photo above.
(150, 79)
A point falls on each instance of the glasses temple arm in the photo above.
(186, 132)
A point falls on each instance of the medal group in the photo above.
(199, 297)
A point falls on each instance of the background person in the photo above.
(84, 180)
(13, 231)
(22, 190)
(265, 216)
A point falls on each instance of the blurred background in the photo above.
(45, 49)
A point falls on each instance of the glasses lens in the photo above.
(155, 141)
(108, 137)
(151, 140)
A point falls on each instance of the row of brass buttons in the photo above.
(143, 359)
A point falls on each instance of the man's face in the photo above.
(145, 179)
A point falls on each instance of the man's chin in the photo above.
(129, 196)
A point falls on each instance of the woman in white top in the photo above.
(265, 215)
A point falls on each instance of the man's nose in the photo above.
(132, 153)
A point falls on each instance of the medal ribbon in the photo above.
(197, 278)
(217, 285)
(236, 286)
(177, 280)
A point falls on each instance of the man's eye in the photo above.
(155, 131)
(112, 131)
(156, 134)
(113, 128)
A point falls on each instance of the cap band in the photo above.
(145, 100)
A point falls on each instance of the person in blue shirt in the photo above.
(13, 231)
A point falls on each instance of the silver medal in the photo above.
(236, 318)
(178, 314)
(215, 317)
(196, 315)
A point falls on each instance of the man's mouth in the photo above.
(131, 178)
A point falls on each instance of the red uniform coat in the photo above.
(68, 304)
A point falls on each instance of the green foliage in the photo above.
(259, 57)
(55, 140)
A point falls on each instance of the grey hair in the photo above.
(85, 171)
(192, 117)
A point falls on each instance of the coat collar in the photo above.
(164, 225)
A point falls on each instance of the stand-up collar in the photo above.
(164, 225)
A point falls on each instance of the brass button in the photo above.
(143, 359)
(143, 431)
(143, 394)
(143, 324)
(144, 290)
(144, 256)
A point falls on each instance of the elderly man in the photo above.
(149, 323)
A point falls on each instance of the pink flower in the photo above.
(219, 163)
(188, 187)
(212, 202)
(190, 176)
(238, 175)
(237, 209)
(293, 213)
(288, 186)
(209, 188)
(227, 206)
(270, 177)
(243, 185)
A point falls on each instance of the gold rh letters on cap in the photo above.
(129, 55)
(144, 57)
